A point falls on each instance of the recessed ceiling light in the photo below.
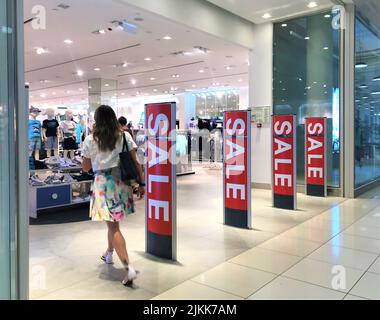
(43, 95)
(228, 68)
(80, 73)
(40, 51)
(327, 16)
(361, 65)
(155, 90)
(68, 41)
(167, 38)
(375, 93)
(175, 76)
(363, 86)
(133, 81)
(284, 25)
(307, 38)
(201, 71)
(89, 87)
(376, 79)
(312, 4)
(267, 16)
(125, 65)
(187, 53)
(106, 85)
(96, 69)
(101, 31)
(152, 78)
(148, 59)
(326, 48)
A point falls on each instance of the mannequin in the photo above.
(34, 133)
(50, 133)
(68, 129)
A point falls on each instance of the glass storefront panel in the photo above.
(8, 219)
(5, 258)
(306, 72)
(367, 104)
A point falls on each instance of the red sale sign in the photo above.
(160, 171)
(237, 169)
(284, 162)
(315, 157)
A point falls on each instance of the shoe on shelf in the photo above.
(107, 257)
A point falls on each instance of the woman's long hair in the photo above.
(107, 129)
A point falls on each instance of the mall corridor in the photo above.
(288, 254)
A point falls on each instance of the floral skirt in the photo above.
(111, 198)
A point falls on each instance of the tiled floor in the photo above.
(328, 249)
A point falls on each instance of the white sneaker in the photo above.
(132, 275)
(108, 258)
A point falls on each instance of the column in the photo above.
(102, 92)
(261, 95)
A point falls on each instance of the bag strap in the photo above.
(125, 144)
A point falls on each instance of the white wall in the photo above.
(201, 15)
(132, 108)
(244, 98)
(261, 95)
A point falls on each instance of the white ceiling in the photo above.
(253, 10)
(52, 75)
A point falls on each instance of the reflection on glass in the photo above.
(306, 65)
(213, 104)
(367, 104)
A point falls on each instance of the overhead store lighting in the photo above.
(68, 41)
(167, 38)
(267, 16)
(40, 51)
(133, 81)
(363, 86)
(312, 4)
(80, 73)
(361, 65)
(376, 79)
(148, 59)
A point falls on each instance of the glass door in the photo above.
(10, 71)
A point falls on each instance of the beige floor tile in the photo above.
(99, 289)
(311, 234)
(368, 287)
(266, 260)
(344, 256)
(375, 268)
(235, 279)
(363, 231)
(191, 290)
(55, 274)
(356, 242)
(293, 246)
(289, 289)
(351, 297)
(322, 274)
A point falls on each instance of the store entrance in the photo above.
(124, 58)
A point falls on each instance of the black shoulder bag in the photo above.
(127, 166)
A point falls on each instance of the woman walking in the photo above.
(111, 200)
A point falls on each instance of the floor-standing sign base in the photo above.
(237, 169)
(160, 176)
(315, 157)
(284, 162)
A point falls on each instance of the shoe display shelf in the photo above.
(51, 196)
